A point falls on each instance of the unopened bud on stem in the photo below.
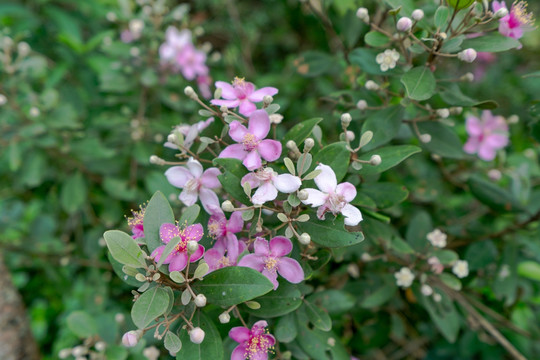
(224, 318)
(417, 15)
(375, 160)
(304, 239)
(227, 206)
(267, 100)
(303, 195)
(363, 14)
(200, 300)
(404, 24)
(192, 247)
(190, 93)
(346, 120)
(308, 144)
(196, 335)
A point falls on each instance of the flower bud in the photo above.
(425, 138)
(350, 135)
(276, 118)
(267, 100)
(304, 239)
(443, 113)
(200, 300)
(291, 145)
(3, 99)
(469, 77)
(363, 14)
(426, 290)
(437, 297)
(372, 85)
(417, 15)
(156, 160)
(23, 49)
(513, 119)
(375, 160)
(227, 206)
(34, 111)
(443, 35)
(192, 247)
(467, 55)
(346, 119)
(64, 353)
(224, 109)
(494, 174)
(362, 104)
(502, 12)
(190, 93)
(196, 335)
(404, 24)
(224, 318)
(100, 346)
(456, 110)
(131, 338)
(119, 318)
(303, 195)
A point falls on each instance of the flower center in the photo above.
(192, 185)
(336, 203)
(265, 174)
(214, 229)
(250, 142)
(519, 10)
(239, 85)
(224, 262)
(257, 345)
(270, 264)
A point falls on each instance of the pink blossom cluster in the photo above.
(517, 21)
(487, 134)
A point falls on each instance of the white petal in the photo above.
(315, 197)
(287, 183)
(326, 180)
(178, 176)
(195, 167)
(264, 193)
(352, 215)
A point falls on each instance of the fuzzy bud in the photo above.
(425, 138)
(467, 55)
(404, 24)
(309, 143)
(346, 119)
(64, 353)
(224, 318)
(23, 49)
(196, 335)
(100, 346)
(417, 14)
(443, 113)
(350, 135)
(456, 110)
(3, 99)
(156, 160)
(34, 112)
(192, 247)
(267, 100)
(119, 318)
(443, 35)
(276, 118)
(426, 290)
(227, 206)
(437, 297)
(304, 239)
(200, 300)
(372, 85)
(131, 338)
(468, 77)
(303, 195)
(513, 119)
(291, 145)
(363, 14)
(502, 12)
(375, 160)
(362, 104)
(190, 93)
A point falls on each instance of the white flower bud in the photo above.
(303, 195)
(134, 51)
(276, 118)
(119, 318)
(425, 138)
(404, 24)
(100, 346)
(227, 206)
(224, 109)
(291, 145)
(151, 353)
(456, 110)
(443, 113)
(23, 49)
(362, 104)
(437, 297)
(363, 14)
(131, 338)
(304, 239)
(467, 55)
(443, 35)
(375, 160)
(224, 318)
(192, 247)
(502, 12)
(513, 119)
(136, 26)
(308, 144)
(267, 100)
(196, 335)
(426, 290)
(469, 77)
(34, 112)
(64, 353)
(372, 85)
(417, 14)
(350, 135)
(172, 138)
(3, 99)
(494, 174)
(200, 300)
(156, 160)
(365, 257)
(190, 93)
(346, 119)
(111, 16)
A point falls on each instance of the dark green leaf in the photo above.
(420, 225)
(318, 317)
(230, 179)
(380, 296)
(285, 299)
(444, 140)
(441, 16)
(316, 63)
(158, 212)
(73, 193)
(330, 232)
(189, 215)
(333, 301)
(419, 83)
(210, 349)
(384, 124)
(493, 196)
(493, 42)
(384, 194)
(300, 132)
(286, 330)
(390, 157)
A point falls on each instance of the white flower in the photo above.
(333, 197)
(190, 133)
(437, 238)
(404, 277)
(371, 85)
(461, 268)
(387, 59)
(426, 290)
(269, 183)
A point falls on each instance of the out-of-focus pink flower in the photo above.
(224, 230)
(252, 144)
(486, 135)
(517, 22)
(190, 133)
(253, 344)
(178, 258)
(242, 94)
(269, 183)
(333, 197)
(436, 265)
(270, 258)
(195, 183)
(179, 51)
(136, 223)
(216, 258)
(204, 82)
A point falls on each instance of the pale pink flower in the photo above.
(181, 54)
(195, 183)
(254, 344)
(517, 22)
(190, 133)
(216, 258)
(486, 135)
(178, 258)
(268, 183)
(435, 264)
(242, 94)
(252, 144)
(224, 230)
(204, 82)
(270, 258)
(333, 197)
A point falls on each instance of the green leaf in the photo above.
(212, 346)
(451, 281)
(168, 249)
(285, 299)
(300, 132)
(330, 232)
(117, 267)
(336, 156)
(419, 83)
(285, 329)
(452, 95)
(420, 225)
(390, 156)
(318, 317)
(172, 342)
(158, 212)
(493, 42)
(444, 315)
(150, 305)
(441, 16)
(384, 124)
(446, 257)
(385, 194)
(316, 63)
(444, 141)
(493, 196)
(233, 285)
(189, 215)
(230, 179)
(380, 296)
(116, 352)
(73, 194)
(376, 39)
(332, 300)
(124, 249)
(82, 324)
(460, 4)
(400, 246)
(529, 269)
(323, 257)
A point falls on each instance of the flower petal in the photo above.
(287, 183)
(158, 252)
(193, 232)
(291, 270)
(252, 160)
(252, 261)
(236, 223)
(226, 103)
(188, 197)
(209, 178)
(213, 257)
(266, 192)
(247, 107)
(197, 254)
(237, 131)
(168, 231)
(326, 180)
(261, 247)
(486, 152)
(473, 126)
(227, 90)
(257, 96)
(194, 167)
(239, 351)
(239, 334)
(280, 246)
(209, 200)
(252, 179)
(179, 262)
(235, 151)
(270, 150)
(272, 276)
(347, 190)
(352, 215)
(471, 146)
(315, 197)
(496, 141)
(178, 176)
(259, 124)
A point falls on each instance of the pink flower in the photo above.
(179, 51)
(435, 264)
(269, 259)
(195, 183)
(204, 81)
(190, 133)
(216, 258)
(253, 344)
(242, 93)
(268, 183)
(252, 144)
(136, 223)
(486, 135)
(224, 230)
(517, 21)
(333, 197)
(178, 258)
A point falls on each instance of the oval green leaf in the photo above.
(149, 306)
(419, 83)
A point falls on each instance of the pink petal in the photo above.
(258, 327)
(347, 190)
(257, 96)
(252, 261)
(158, 252)
(266, 192)
(195, 167)
(193, 232)
(252, 160)
(166, 51)
(197, 254)
(188, 197)
(236, 223)
(226, 103)
(232, 246)
(287, 183)
(272, 276)
(315, 197)
(474, 126)
(259, 124)
(252, 179)
(291, 270)
(179, 262)
(496, 141)
(247, 107)
(237, 131)
(471, 146)
(209, 178)
(270, 339)
(486, 152)
(270, 150)
(280, 246)
(227, 90)
(212, 258)
(326, 180)
(239, 352)
(209, 199)
(261, 247)
(168, 231)
(240, 334)
(352, 215)
(235, 151)
(178, 176)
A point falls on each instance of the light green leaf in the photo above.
(158, 212)
(441, 16)
(82, 324)
(493, 42)
(189, 215)
(460, 4)
(529, 269)
(150, 305)
(172, 342)
(124, 249)
(376, 39)
(390, 156)
(73, 193)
